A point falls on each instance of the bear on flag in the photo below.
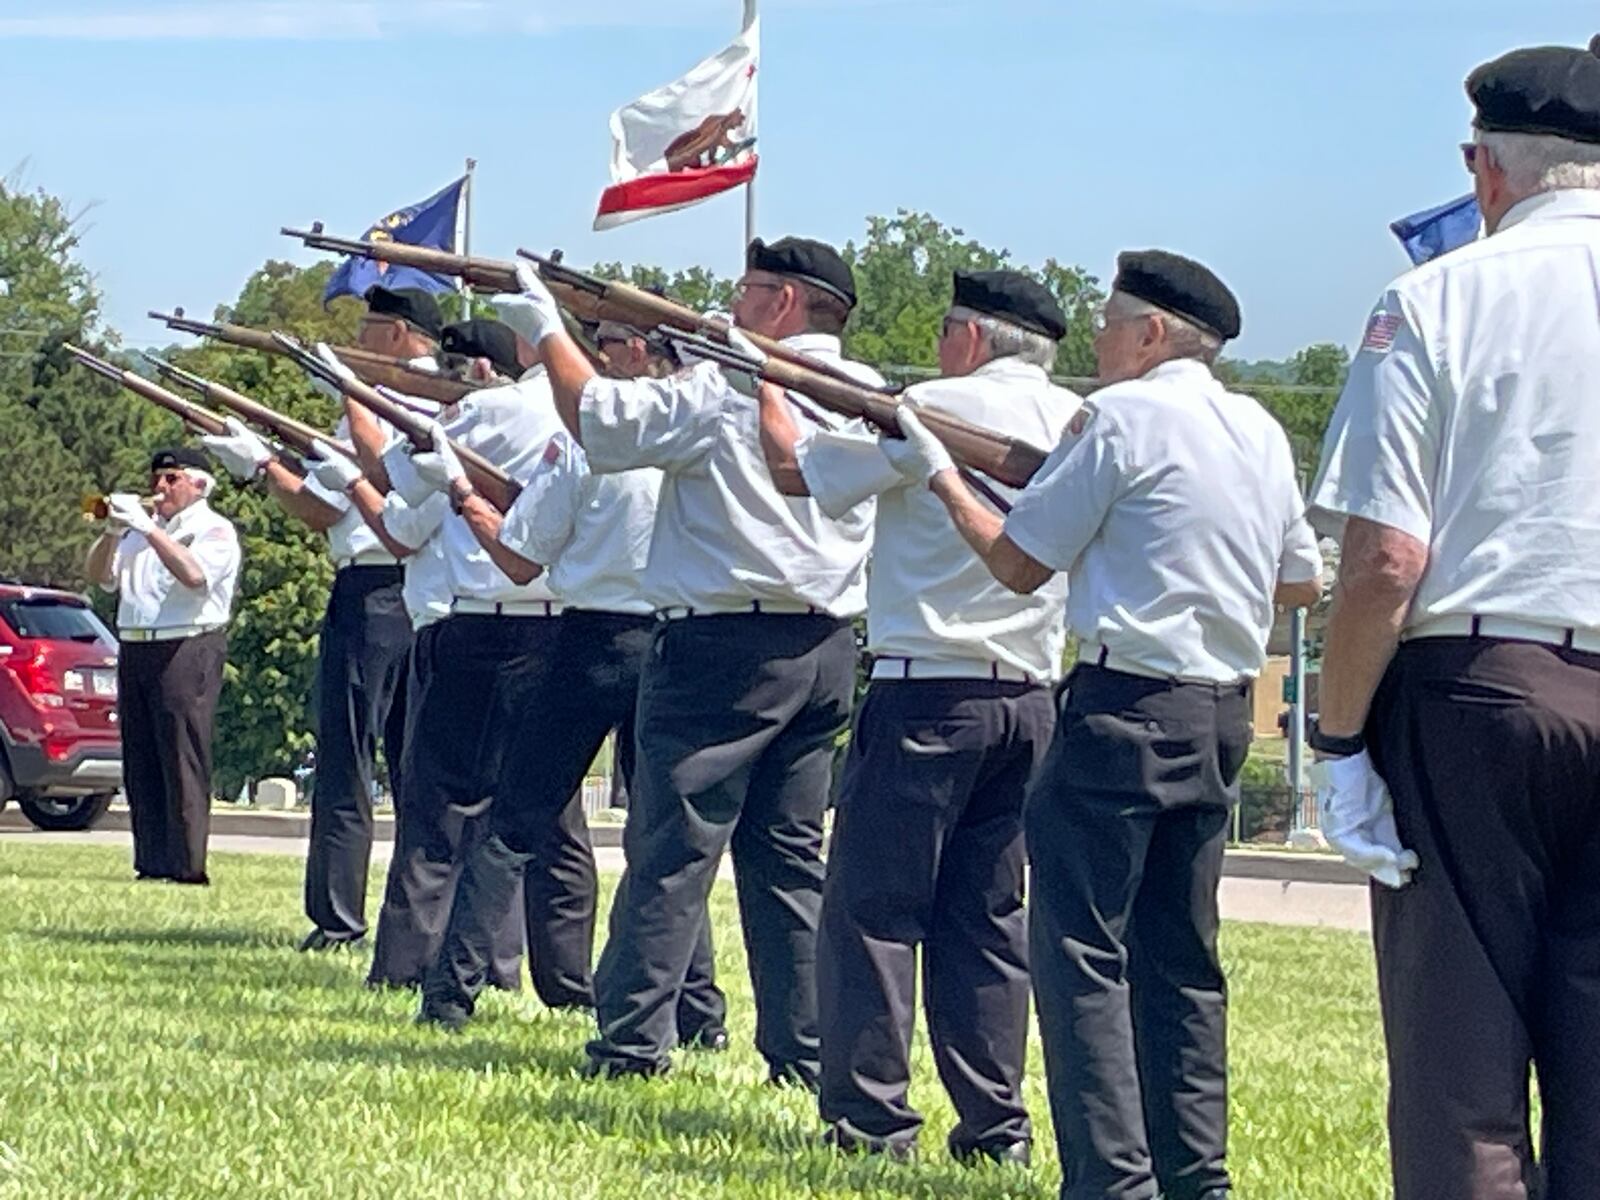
(687, 141)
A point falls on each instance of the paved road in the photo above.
(1269, 900)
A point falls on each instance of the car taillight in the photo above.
(57, 747)
(37, 679)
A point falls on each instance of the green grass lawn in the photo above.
(167, 1042)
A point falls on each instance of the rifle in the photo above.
(293, 434)
(498, 488)
(198, 419)
(588, 297)
(374, 368)
(1009, 460)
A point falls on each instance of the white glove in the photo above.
(123, 509)
(337, 365)
(743, 382)
(331, 469)
(918, 455)
(240, 451)
(1357, 817)
(538, 315)
(439, 467)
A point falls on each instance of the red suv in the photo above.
(60, 744)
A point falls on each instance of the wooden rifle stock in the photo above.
(293, 434)
(484, 274)
(195, 417)
(1007, 460)
(498, 488)
(374, 368)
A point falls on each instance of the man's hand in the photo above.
(1357, 818)
(439, 468)
(331, 469)
(241, 453)
(124, 510)
(917, 454)
(538, 315)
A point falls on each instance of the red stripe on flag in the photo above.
(678, 187)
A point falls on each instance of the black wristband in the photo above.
(1338, 747)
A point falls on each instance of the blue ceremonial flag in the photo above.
(434, 223)
(1427, 235)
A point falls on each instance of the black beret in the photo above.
(1181, 286)
(414, 306)
(816, 263)
(180, 458)
(483, 338)
(1013, 297)
(1553, 90)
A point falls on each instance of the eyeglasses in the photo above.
(166, 477)
(1102, 318)
(949, 324)
(1469, 155)
(741, 288)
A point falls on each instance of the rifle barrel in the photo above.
(294, 434)
(485, 274)
(187, 411)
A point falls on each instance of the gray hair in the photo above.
(1536, 162)
(1007, 340)
(1188, 340)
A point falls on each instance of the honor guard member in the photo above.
(474, 668)
(749, 678)
(363, 643)
(957, 716)
(175, 573)
(412, 534)
(1172, 505)
(590, 536)
(1462, 673)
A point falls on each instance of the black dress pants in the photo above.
(1126, 825)
(361, 663)
(737, 720)
(1489, 961)
(927, 851)
(587, 688)
(168, 706)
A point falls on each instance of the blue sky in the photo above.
(1274, 140)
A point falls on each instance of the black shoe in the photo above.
(621, 1068)
(315, 940)
(1005, 1154)
(797, 1075)
(712, 1039)
(192, 880)
(448, 1017)
(847, 1141)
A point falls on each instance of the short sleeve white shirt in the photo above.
(151, 596)
(1470, 420)
(426, 590)
(1173, 505)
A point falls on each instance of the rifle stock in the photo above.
(293, 434)
(195, 417)
(498, 488)
(1005, 459)
(376, 369)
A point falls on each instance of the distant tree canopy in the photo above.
(64, 431)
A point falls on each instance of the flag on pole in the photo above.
(435, 223)
(687, 141)
(1427, 235)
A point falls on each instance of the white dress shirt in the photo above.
(590, 532)
(151, 596)
(1471, 421)
(726, 539)
(930, 598)
(351, 540)
(1172, 503)
(426, 590)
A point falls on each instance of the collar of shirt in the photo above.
(188, 518)
(1553, 206)
(1180, 370)
(424, 362)
(1010, 369)
(821, 344)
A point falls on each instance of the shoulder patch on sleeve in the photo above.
(1381, 330)
(1080, 421)
(552, 452)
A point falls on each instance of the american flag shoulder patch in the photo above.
(1380, 332)
(552, 452)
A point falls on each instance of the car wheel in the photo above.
(65, 813)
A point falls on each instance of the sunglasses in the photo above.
(1469, 155)
(167, 477)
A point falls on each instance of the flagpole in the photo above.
(466, 237)
(749, 188)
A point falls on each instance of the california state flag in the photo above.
(685, 142)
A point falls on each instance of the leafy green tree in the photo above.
(1322, 365)
(696, 288)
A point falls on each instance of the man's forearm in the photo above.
(485, 521)
(1379, 571)
(289, 490)
(98, 564)
(367, 437)
(368, 501)
(779, 436)
(984, 530)
(176, 558)
(570, 372)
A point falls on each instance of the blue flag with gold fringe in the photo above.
(433, 223)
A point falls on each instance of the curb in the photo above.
(1283, 866)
